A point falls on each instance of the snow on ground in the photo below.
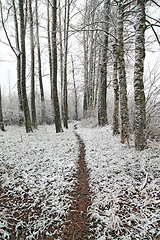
(125, 186)
(36, 176)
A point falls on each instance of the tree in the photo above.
(54, 69)
(61, 57)
(33, 105)
(102, 101)
(23, 67)
(122, 75)
(116, 90)
(65, 91)
(1, 113)
(50, 52)
(91, 48)
(91, 54)
(43, 108)
(97, 77)
(140, 104)
(19, 87)
(85, 47)
(75, 90)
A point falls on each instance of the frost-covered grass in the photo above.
(125, 186)
(36, 176)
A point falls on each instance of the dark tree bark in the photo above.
(86, 51)
(54, 68)
(91, 57)
(65, 91)
(33, 105)
(140, 103)
(23, 68)
(19, 87)
(116, 91)
(43, 108)
(102, 98)
(122, 76)
(97, 78)
(61, 58)
(1, 113)
(75, 91)
(49, 48)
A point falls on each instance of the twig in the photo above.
(79, 226)
(145, 182)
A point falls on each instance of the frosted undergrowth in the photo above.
(36, 176)
(125, 186)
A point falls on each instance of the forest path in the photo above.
(77, 224)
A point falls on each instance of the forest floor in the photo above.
(79, 184)
(77, 224)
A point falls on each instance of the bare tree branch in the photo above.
(155, 3)
(4, 28)
(154, 31)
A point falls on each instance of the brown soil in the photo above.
(77, 225)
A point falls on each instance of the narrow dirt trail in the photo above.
(77, 225)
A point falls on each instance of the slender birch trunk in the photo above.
(50, 55)
(122, 77)
(91, 63)
(116, 91)
(85, 99)
(23, 68)
(49, 46)
(65, 91)
(54, 68)
(33, 104)
(75, 91)
(43, 108)
(85, 47)
(97, 78)
(102, 98)
(140, 103)
(61, 59)
(19, 87)
(1, 113)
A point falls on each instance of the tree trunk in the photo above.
(116, 91)
(33, 104)
(97, 78)
(91, 64)
(85, 46)
(54, 69)
(65, 91)
(1, 113)
(102, 101)
(19, 87)
(43, 108)
(122, 77)
(140, 104)
(61, 59)
(50, 56)
(75, 91)
(23, 68)
(85, 99)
